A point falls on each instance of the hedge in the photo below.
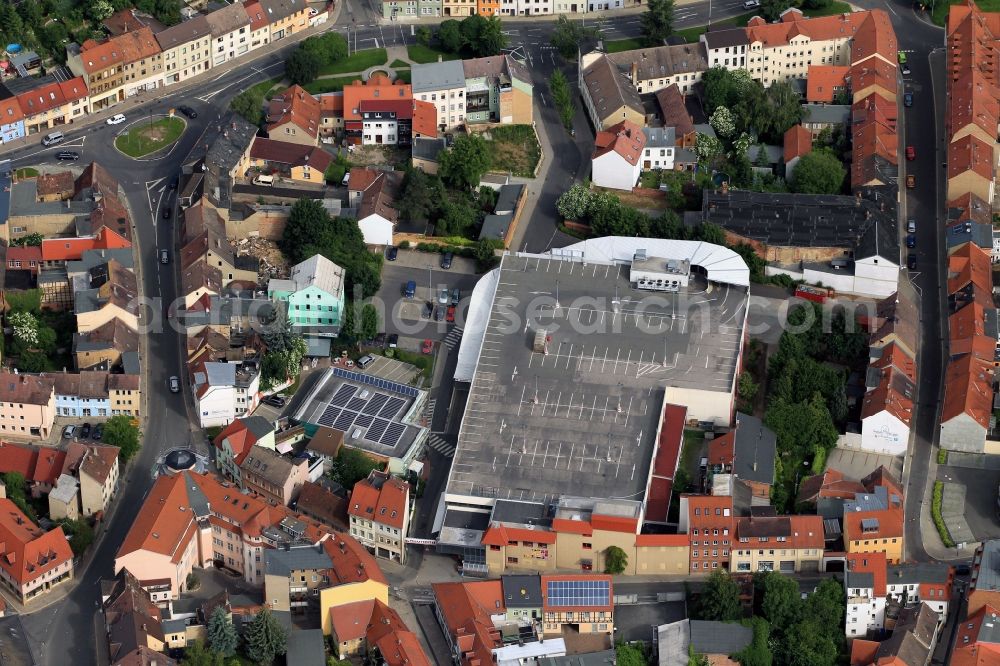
(942, 457)
(936, 515)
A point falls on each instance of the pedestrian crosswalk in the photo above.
(441, 445)
(453, 338)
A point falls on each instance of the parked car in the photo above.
(173, 183)
(365, 361)
(428, 310)
(427, 347)
(450, 316)
(85, 431)
(446, 260)
(911, 153)
(444, 297)
(187, 111)
(166, 212)
(751, 4)
(393, 340)
(175, 384)
(438, 313)
(410, 289)
(908, 99)
(346, 180)
(69, 431)
(905, 69)
(164, 257)
(911, 226)
(98, 432)
(274, 401)
(380, 340)
(116, 119)
(911, 181)
(911, 260)
(911, 241)
(456, 296)
(391, 253)
(67, 156)
(901, 56)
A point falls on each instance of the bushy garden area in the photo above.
(39, 340)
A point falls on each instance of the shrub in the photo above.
(942, 457)
(405, 245)
(938, 518)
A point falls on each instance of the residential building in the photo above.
(653, 69)
(978, 639)
(113, 295)
(132, 620)
(102, 347)
(96, 393)
(363, 627)
(769, 542)
(379, 512)
(143, 69)
(914, 637)
(326, 501)
(608, 96)
(726, 48)
(984, 587)
(498, 89)
(715, 640)
(230, 25)
(674, 115)
(709, 523)
(443, 85)
(658, 153)
(103, 68)
(873, 521)
(272, 476)
(260, 29)
(210, 256)
(292, 161)
(34, 561)
(285, 17)
(748, 453)
(826, 83)
(888, 405)
(864, 583)
(234, 443)
(458, 8)
(28, 406)
(224, 391)
(617, 159)
(64, 500)
(11, 120)
(40, 467)
(50, 103)
(314, 295)
(582, 603)
(294, 117)
(374, 194)
(95, 467)
(796, 144)
(227, 161)
(186, 49)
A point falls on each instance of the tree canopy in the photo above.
(121, 432)
(478, 36)
(782, 604)
(658, 20)
(615, 560)
(627, 654)
(221, 633)
(303, 66)
(463, 165)
(818, 172)
(265, 638)
(720, 598)
(567, 36)
(351, 466)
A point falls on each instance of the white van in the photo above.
(52, 138)
(266, 181)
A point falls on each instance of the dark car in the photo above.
(911, 241)
(67, 156)
(439, 313)
(187, 111)
(380, 340)
(911, 260)
(905, 69)
(166, 212)
(456, 296)
(428, 310)
(391, 253)
(85, 431)
(274, 401)
(393, 340)
(173, 183)
(98, 432)
(446, 259)
(908, 99)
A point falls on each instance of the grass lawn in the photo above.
(514, 148)
(320, 86)
(424, 362)
(835, 7)
(692, 34)
(26, 172)
(424, 54)
(628, 44)
(265, 86)
(144, 139)
(358, 61)
(399, 64)
(404, 75)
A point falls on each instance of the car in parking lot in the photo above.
(85, 431)
(427, 347)
(446, 260)
(116, 119)
(439, 313)
(444, 297)
(911, 181)
(908, 99)
(410, 289)
(450, 316)
(175, 384)
(365, 361)
(380, 340)
(98, 432)
(187, 111)
(274, 400)
(428, 310)
(393, 341)
(456, 296)
(911, 153)
(391, 253)
(911, 260)
(69, 431)
(911, 241)
(67, 156)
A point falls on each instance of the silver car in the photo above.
(444, 297)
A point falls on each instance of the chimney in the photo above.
(635, 72)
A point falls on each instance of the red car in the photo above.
(450, 316)
(428, 346)
(911, 153)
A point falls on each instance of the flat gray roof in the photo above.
(438, 76)
(281, 562)
(581, 419)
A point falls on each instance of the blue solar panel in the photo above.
(578, 592)
(377, 382)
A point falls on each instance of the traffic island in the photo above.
(146, 138)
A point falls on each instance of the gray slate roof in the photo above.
(754, 449)
(279, 9)
(989, 569)
(719, 637)
(281, 562)
(834, 114)
(609, 89)
(184, 32)
(660, 137)
(305, 646)
(438, 76)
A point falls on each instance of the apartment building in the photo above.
(498, 89)
(608, 95)
(230, 33)
(873, 520)
(616, 162)
(581, 602)
(768, 542)
(290, 161)
(96, 394)
(272, 476)
(143, 66)
(49, 103)
(984, 587)
(260, 29)
(379, 512)
(102, 347)
(115, 297)
(95, 467)
(34, 561)
(362, 627)
(314, 294)
(653, 69)
(294, 117)
(234, 443)
(285, 17)
(102, 67)
(888, 405)
(134, 623)
(443, 85)
(223, 391)
(11, 120)
(28, 406)
(709, 522)
(186, 49)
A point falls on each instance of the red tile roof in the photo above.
(662, 540)
(98, 57)
(674, 111)
(873, 563)
(970, 153)
(17, 458)
(797, 142)
(424, 119)
(973, 100)
(874, 38)
(969, 650)
(570, 526)
(793, 23)
(499, 534)
(397, 645)
(350, 621)
(894, 356)
(466, 609)
(48, 466)
(830, 483)
(292, 154)
(256, 14)
(44, 98)
(10, 111)
(890, 525)
(380, 498)
(296, 106)
(403, 108)
(25, 254)
(614, 523)
(137, 45)
(241, 440)
(626, 138)
(823, 82)
(72, 249)
(969, 264)
(27, 552)
(377, 87)
(968, 389)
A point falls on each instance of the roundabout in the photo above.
(150, 136)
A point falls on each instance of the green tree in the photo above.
(747, 387)
(658, 20)
(806, 643)
(250, 105)
(615, 560)
(450, 37)
(819, 172)
(484, 36)
(758, 653)
(783, 108)
(421, 196)
(463, 165)
(265, 638)
(80, 534)
(627, 654)
(563, 98)
(457, 218)
(119, 431)
(98, 10)
(307, 222)
(485, 254)
(29, 300)
(720, 598)
(197, 654)
(424, 35)
(348, 325)
(782, 604)
(369, 322)
(221, 633)
(771, 9)
(303, 66)
(574, 204)
(826, 605)
(567, 36)
(29, 240)
(17, 492)
(351, 466)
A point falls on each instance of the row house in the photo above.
(27, 406)
(33, 561)
(362, 627)
(40, 466)
(95, 467)
(294, 117)
(768, 542)
(11, 120)
(914, 637)
(51, 103)
(379, 513)
(96, 394)
(230, 30)
(285, 17)
(186, 49)
(397, 9)
(260, 28)
(102, 65)
(224, 392)
(143, 70)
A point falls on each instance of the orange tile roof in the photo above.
(807, 532)
(872, 73)
(498, 534)
(397, 645)
(379, 87)
(969, 264)
(968, 389)
(332, 103)
(26, 551)
(351, 562)
(663, 540)
(424, 119)
(17, 458)
(967, 322)
(137, 45)
(863, 651)
(873, 563)
(970, 153)
(894, 356)
(973, 99)
(830, 483)
(296, 106)
(614, 523)
(350, 621)
(466, 609)
(793, 23)
(722, 449)
(626, 138)
(572, 526)
(823, 81)
(256, 14)
(98, 57)
(42, 99)
(48, 465)
(971, 207)
(797, 142)
(164, 520)
(380, 498)
(241, 439)
(894, 394)
(10, 111)
(362, 178)
(875, 38)
(969, 650)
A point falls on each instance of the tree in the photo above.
(421, 196)
(782, 604)
(17, 488)
(783, 108)
(771, 9)
(29, 240)
(806, 643)
(627, 654)
(265, 638)
(826, 605)
(722, 122)
(80, 534)
(568, 35)
(250, 105)
(485, 254)
(348, 325)
(457, 218)
(424, 35)
(98, 10)
(221, 633)
(562, 97)
(490, 40)
(819, 172)
(574, 204)
(351, 466)
(758, 653)
(747, 387)
(303, 66)
(463, 165)
(658, 21)
(197, 654)
(307, 222)
(615, 560)
(450, 36)
(369, 322)
(25, 328)
(720, 598)
(119, 431)
(708, 148)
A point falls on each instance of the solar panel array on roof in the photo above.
(869, 524)
(351, 409)
(578, 592)
(377, 382)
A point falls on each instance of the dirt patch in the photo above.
(654, 201)
(154, 133)
(272, 261)
(377, 155)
